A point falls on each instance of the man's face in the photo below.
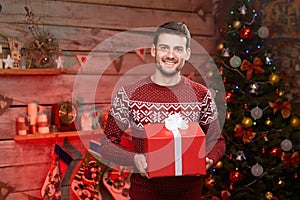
(170, 53)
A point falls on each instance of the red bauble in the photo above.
(276, 152)
(246, 33)
(229, 97)
(235, 176)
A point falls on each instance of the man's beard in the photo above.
(167, 72)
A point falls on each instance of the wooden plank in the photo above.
(56, 135)
(86, 39)
(102, 16)
(32, 152)
(31, 71)
(27, 164)
(26, 177)
(176, 5)
(19, 154)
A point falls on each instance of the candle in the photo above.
(22, 128)
(32, 112)
(42, 123)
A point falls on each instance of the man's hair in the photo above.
(175, 28)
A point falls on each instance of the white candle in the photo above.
(42, 122)
(32, 112)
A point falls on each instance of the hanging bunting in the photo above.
(141, 53)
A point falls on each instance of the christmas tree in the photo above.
(261, 129)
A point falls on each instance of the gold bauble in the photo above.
(247, 122)
(268, 122)
(274, 78)
(220, 47)
(219, 164)
(295, 122)
(237, 24)
(269, 195)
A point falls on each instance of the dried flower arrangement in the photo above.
(42, 49)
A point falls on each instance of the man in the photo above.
(151, 100)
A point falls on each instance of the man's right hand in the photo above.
(141, 164)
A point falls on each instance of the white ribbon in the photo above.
(173, 123)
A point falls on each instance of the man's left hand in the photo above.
(209, 163)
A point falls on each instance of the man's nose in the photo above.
(171, 52)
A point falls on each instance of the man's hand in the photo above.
(141, 164)
(209, 163)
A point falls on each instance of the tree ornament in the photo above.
(243, 10)
(280, 183)
(268, 58)
(246, 135)
(247, 122)
(235, 177)
(209, 182)
(265, 137)
(276, 152)
(220, 47)
(256, 113)
(246, 33)
(246, 106)
(269, 195)
(274, 78)
(263, 150)
(225, 52)
(294, 122)
(254, 88)
(9, 62)
(237, 24)
(228, 115)
(257, 170)
(283, 106)
(280, 93)
(290, 160)
(219, 164)
(229, 97)
(59, 63)
(263, 32)
(286, 145)
(235, 61)
(295, 176)
(255, 67)
(240, 156)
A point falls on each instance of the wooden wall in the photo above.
(80, 26)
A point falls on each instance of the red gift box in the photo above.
(162, 145)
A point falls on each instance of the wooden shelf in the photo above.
(55, 135)
(32, 71)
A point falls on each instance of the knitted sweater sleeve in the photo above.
(215, 143)
(117, 122)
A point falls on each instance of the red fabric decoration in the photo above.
(255, 67)
(246, 134)
(289, 160)
(285, 107)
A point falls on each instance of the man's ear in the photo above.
(188, 53)
(153, 50)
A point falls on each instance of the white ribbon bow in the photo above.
(173, 123)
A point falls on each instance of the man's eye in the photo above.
(179, 50)
(164, 48)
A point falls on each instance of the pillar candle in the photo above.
(42, 123)
(22, 128)
(32, 112)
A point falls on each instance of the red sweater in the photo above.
(146, 102)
